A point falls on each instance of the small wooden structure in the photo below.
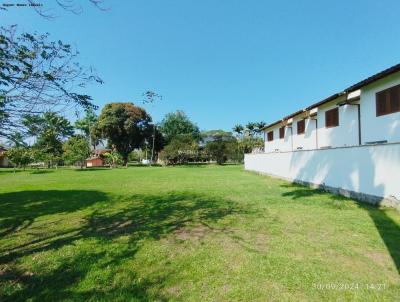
(97, 158)
(95, 162)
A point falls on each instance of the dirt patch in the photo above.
(196, 233)
(379, 257)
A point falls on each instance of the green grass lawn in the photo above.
(201, 233)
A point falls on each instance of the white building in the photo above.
(348, 141)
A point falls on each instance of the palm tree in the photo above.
(260, 126)
(238, 129)
(250, 128)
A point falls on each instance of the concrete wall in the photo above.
(385, 127)
(372, 170)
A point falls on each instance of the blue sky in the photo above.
(225, 62)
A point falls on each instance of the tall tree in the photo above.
(125, 126)
(76, 149)
(16, 139)
(260, 127)
(222, 148)
(20, 156)
(36, 76)
(251, 128)
(177, 123)
(181, 149)
(51, 130)
(86, 125)
(238, 129)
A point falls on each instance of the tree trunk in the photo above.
(125, 159)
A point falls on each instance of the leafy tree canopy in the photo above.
(182, 149)
(49, 124)
(87, 122)
(125, 126)
(177, 123)
(36, 76)
(50, 129)
(76, 149)
(20, 156)
(87, 125)
(213, 135)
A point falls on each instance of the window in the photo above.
(332, 118)
(270, 136)
(388, 101)
(282, 132)
(301, 126)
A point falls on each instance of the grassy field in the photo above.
(201, 233)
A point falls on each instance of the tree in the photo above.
(221, 148)
(247, 144)
(36, 76)
(260, 127)
(177, 123)
(20, 156)
(182, 149)
(76, 149)
(113, 158)
(51, 130)
(86, 126)
(125, 126)
(159, 141)
(248, 138)
(238, 129)
(251, 129)
(16, 139)
(214, 135)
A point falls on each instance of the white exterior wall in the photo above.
(306, 141)
(278, 144)
(346, 134)
(373, 170)
(378, 128)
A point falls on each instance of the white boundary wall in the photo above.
(371, 170)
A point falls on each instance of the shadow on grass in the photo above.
(28, 170)
(9, 171)
(19, 209)
(92, 169)
(42, 171)
(387, 228)
(297, 191)
(134, 218)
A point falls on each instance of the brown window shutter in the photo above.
(301, 127)
(332, 118)
(270, 136)
(388, 101)
(335, 113)
(380, 103)
(328, 119)
(394, 99)
(282, 132)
